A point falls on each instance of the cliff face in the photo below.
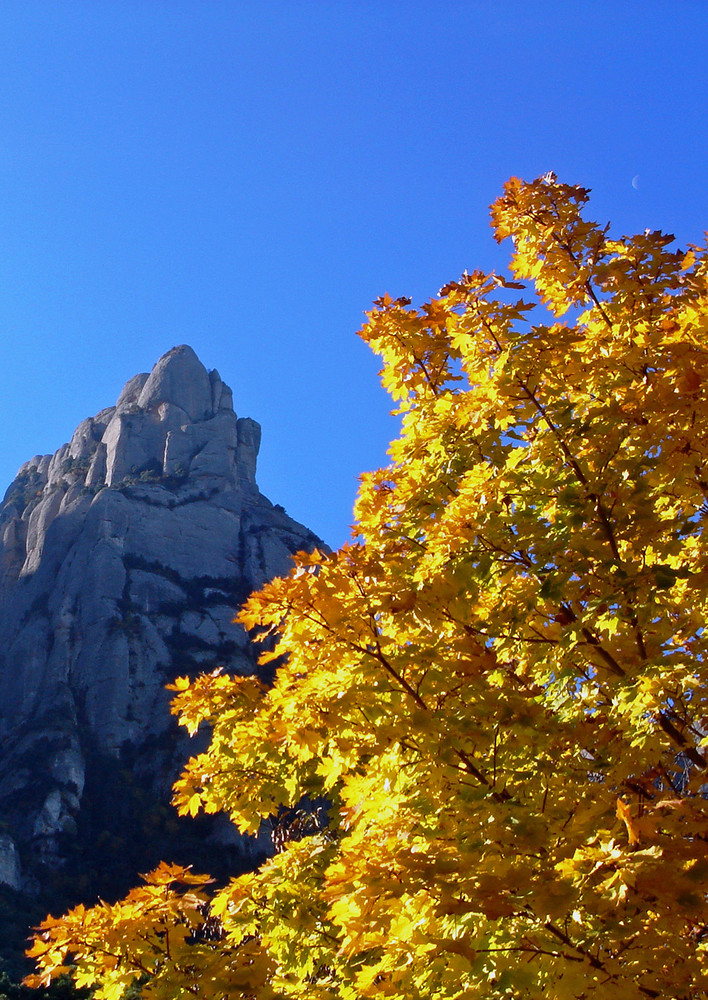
(122, 559)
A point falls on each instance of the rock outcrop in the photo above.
(122, 558)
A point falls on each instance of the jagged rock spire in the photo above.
(122, 558)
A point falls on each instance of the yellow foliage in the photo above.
(500, 690)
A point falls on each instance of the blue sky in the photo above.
(247, 177)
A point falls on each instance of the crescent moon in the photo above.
(635, 182)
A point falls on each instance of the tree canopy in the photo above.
(498, 688)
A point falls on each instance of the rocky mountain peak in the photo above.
(176, 419)
(179, 378)
(123, 556)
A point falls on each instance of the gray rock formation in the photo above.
(122, 558)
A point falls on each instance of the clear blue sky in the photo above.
(246, 177)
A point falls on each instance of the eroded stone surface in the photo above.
(122, 558)
(10, 871)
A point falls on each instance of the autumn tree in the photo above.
(499, 689)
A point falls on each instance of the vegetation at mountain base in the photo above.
(499, 688)
(61, 989)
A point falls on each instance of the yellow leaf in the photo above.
(625, 814)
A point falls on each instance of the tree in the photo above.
(499, 689)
